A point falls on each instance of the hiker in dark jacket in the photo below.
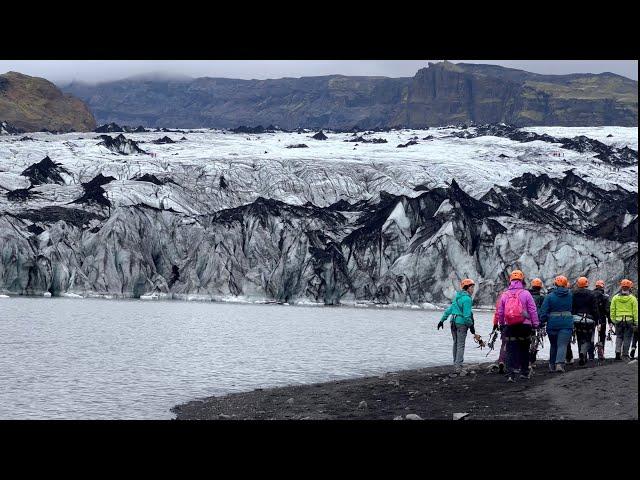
(538, 298)
(604, 307)
(586, 316)
(536, 292)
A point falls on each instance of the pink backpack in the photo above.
(513, 308)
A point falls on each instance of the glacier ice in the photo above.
(319, 225)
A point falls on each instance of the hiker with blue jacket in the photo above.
(517, 311)
(556, 315)
(462, 321)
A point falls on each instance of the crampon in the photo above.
(478, 339)
(493, 336)
(609, 333)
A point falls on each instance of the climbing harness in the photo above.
(583, 322)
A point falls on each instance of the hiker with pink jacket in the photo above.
(517, 311)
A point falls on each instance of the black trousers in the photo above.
(518, 338)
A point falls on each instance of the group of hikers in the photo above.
(524, 316)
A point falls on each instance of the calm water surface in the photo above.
(113, 359)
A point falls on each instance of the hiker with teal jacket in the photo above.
(462, 321)
(556, 315)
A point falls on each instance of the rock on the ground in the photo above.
(413, 416)
(121, 145)
(405, 145)
(319, 136)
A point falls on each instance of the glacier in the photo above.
(218, 215)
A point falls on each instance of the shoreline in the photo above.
(606, 392)
(425, 306)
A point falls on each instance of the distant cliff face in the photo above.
(32, 104)
(451, 93)
(440, 94)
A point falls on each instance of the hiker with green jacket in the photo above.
(624, 315)
(462, 321)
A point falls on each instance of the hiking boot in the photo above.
(560, 368)
(510, 379)
(581, 361)
(570, 361)
(633, 353)
(625, 357)
(617, 359)
(552, 367)
(501, 367)
(524, 377)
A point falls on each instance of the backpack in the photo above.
(513, 309)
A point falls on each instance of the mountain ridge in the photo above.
(439, 94)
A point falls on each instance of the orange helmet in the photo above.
(626, 283)
(582, 282)
(466, 282)
(561, 281)
(516, 275)
(600, 284)
(536, 282)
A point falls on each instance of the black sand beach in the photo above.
(606, 392)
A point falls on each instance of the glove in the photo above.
(440, 324)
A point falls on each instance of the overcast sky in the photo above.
(63, 71)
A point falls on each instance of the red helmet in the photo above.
(466, 282)
(582, 282)
(600, 284)
(626, 283)
(536, 282)
(561, 281)
(516, 275)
